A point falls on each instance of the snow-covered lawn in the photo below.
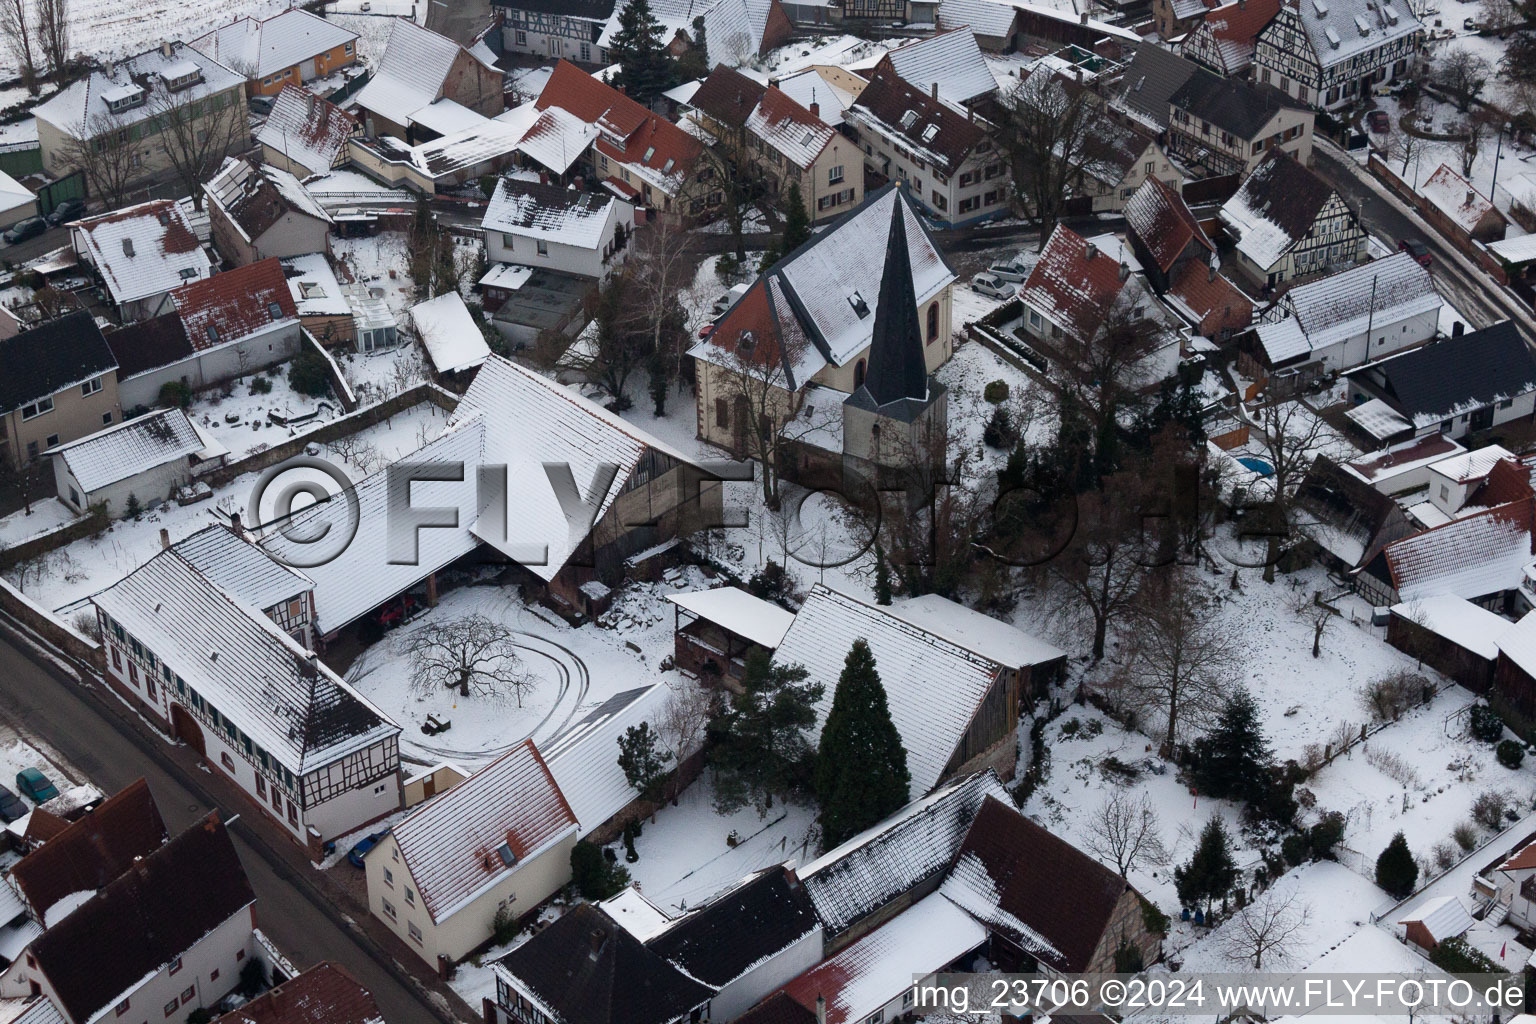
(377, 375)
(382, 261)
(241, 423)
(47, 514)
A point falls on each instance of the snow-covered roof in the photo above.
(81, 110)
(789, 128)
(808, 86)
(985, 17)
(934, 686)
(287, 701)
(733, 29)
(1452, 377)
(1443, 917)
(1341, 305)
(449, 334)
(1283, 340)
(142, 250)
(410, 74)
(991, 638)
(876, 969)
(584, 758)
(549, 212)
(866, 872)
(638, 915)
(1076, 282)
(135, 446)
(1457, 198)
(236, 304)
(1518, 644)
(41, 1010)
(306, 129)
(1339, 31)
(1458, 620)
(253, 198)
(1274, 209)
(510, 276)
(1465, 467)
(739, 612)
(1375, 417)
(556, 139)
(264, 47)
(1520, 249)
(240, 567)
(465, 841)
(1482, 554)
(950, 60)
(447, 116)
(314, 287)
(485, 140)
(14, 194)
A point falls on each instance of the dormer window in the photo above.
(180, 75)
(860, 307)
(188, 273)
(746, 343)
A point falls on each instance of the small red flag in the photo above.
(1502, 949)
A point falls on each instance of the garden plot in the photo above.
(1420, 776)
(382, 261)
(242, 420)
(374, 376)
(45, 515)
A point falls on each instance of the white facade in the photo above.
(273, 344)
(741, 994)
(532, 250)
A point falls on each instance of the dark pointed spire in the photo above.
(897, 369)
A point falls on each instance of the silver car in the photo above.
(988, 283)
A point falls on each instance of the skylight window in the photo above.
(908, 119)
(860, 307)
(275, 311)
(650, 151)
(666, 168)
(504, 851)
(929, 132)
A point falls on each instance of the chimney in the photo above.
(128, 247)
(815, 109)
(309, 101)
(595, 939)
(1470, 196)
(1210, 269)
(1458, 329)
(234, 521)
(934, 90)
(821, 1009)
(165, 48)
(1125, 271)
(1092, 251)
(1082, 19)
(165, 538)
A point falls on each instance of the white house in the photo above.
(582, 233)
(142, 253)
(497, 843)
(146, 458)
(259, 211)
(1330, 52)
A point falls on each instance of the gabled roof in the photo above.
(453, 341)
(728, 96)
(549, 212)
(41, 1011)
(287, 701)
(789, 128)
(731, 608)
(1153, 75)
(1214, 304)
(91, 852)
(235, 304)
(934, 687)
(256, 198)
(984, 17)
(51, 357)
(1450, 376)
(1518, 644)
(934, 131)
(1443, 917)
(781, 1008)
(325, 994)
(651, 146)
(1275, 208)
(242, 568)
(1458, 199)
(135, 446)
(589, 970)
(949, 60)
(1230, 103)
(1481, 554)
(410, 74)
(852, 881)
(590, 780)
(143, 250)
(1469, 626)
(80, 109)
(452, 844)
(1034, 887)
(257, 47)
(1340, 30)
(740, 928)
(146, 345)
(807, 87)
(1234, 28)
(976, 631)
(817, 305)
(1353, 520)
(157, 910)
(1074, 283)
(1381, 292)
(306, 129)
(556, 139)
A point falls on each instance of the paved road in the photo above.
(88, 732)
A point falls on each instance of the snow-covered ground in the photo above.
(241, 421)
(47, 514)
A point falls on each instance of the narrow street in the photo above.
(102, 739)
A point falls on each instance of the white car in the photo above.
(988, 283)
(1013, 271)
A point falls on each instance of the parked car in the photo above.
(25, 229)
(1379, 122)
(261, 105)
(1417, 249)
(68, 210)
(706, 330)
(729, 299)
(11, 806)
(393, 613)
(362, 846)
(988, 283)
(1012, 271)
(33, 783)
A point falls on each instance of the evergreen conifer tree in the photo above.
(645, 70)
(1396, 870)
(1235, 760)
(757, 742)
(1211, 872)
(861, 768)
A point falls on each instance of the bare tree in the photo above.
(1184, 657)
(1461, 74)
(108, 155)
(1124, 831)
(195, 136)
(1100, 567)
(683, 719)
(1292, 437)
(53, 35)
(1267, 928)
(474, 655)
(1045, 128)
(1474, 130)
(19, 41)
(1498, 16)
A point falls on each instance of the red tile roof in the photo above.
(236, 303)
(1158, 216)
(1507, 481)
(629, 131)
(325, 994)
(1471, 557)
(1240, 22)
(1072, 290)
(1215, 300)
(728, 96)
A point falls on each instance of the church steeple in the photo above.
(897, 369)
